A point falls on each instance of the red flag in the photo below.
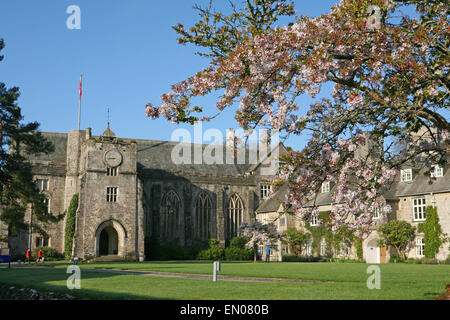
(79, 88)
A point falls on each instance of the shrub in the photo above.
(214, 251)
(239, 242)
(446, 261)
(70, 226)
(235, 253)
(293, 258)
(48, 253)
(199, 245)
(172, 251)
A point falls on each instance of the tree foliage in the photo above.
(432, 230)
(398, 234)
(70, 226)
(390, 81)
(18, 190)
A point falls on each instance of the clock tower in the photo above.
(109, 218)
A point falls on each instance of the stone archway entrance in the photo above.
(109, 242)
(110, 239)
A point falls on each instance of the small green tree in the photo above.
(398, 234)
(296, 240)
(70, 226)
(433, 235)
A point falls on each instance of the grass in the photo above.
(398, 281)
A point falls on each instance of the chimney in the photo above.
(88, 133)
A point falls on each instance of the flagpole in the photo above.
(79, 104)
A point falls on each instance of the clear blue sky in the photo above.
(126, 51)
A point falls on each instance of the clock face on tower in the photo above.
(113, 158)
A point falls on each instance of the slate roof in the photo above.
(418, 186)
(151, 155)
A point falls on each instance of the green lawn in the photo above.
(398, 281)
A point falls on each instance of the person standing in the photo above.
(267, 254)
(28, 256)
(40, 255)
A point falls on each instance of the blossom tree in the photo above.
(389, 79)
(259, 234)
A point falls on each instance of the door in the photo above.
(382, 254)
(104, 241)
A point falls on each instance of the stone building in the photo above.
(132, 189)
(410, 194)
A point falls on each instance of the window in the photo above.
(314, 220)
(111, 172)
(111, 194)
(437, 172)
(309, 248)
(420, 246)
(265, 190)
(47, 204)
(42, 242)
(235, 215)
(376, 214)
(170, 215)
(203, 213)
(406, 175)
(326, 187)
(282, 222)
(323, 247)
(419, 209)
(42, 184)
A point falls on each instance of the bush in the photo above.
(199, 245)
(292, 258)
(172, 251)
(426, 261)
(446, 261)
(239, 242)
(235, 253)
(49, 254)
(214, 252)
(343, 260)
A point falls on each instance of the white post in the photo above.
(216, 268)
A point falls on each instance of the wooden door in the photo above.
(382, 254)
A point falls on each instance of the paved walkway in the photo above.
(189, 275)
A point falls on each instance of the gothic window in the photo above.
(235, 215)
(203, 213)
(170, 215)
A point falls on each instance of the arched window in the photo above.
(203, 213)
(235, 215)
(170, 216)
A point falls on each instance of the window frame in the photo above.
(420, 247)
(326, 188)
(112, 194)
(419, 209)
(406, 175)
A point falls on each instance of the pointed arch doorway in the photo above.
(109, 242)
(110, 239)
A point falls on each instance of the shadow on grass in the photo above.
(38, 279)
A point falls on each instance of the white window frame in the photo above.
(314, 221)
(419, 206)
(309, 248)
(376, 214)
(420, 247)
(437, 172)
(406, 175)
(326, 187)
(323, 247)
